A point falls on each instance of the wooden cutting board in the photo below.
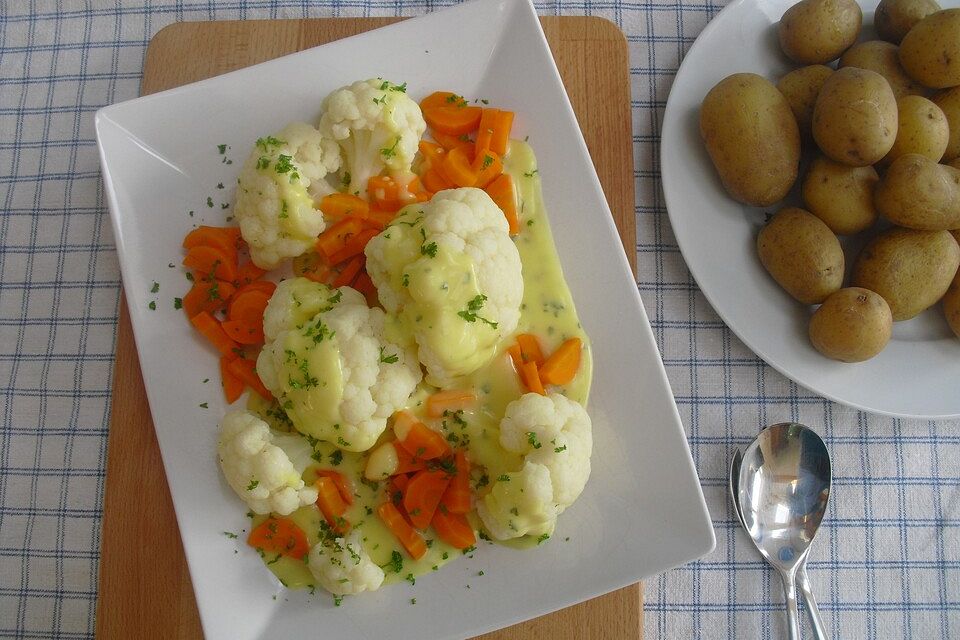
(145, 589)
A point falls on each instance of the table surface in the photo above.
(884, 565)
(591, 55)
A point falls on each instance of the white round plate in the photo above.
(916, 376)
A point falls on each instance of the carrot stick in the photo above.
(423, 494)
(435, 180)
(433, 154)
(281, 536)
(340, 205)
(485, 129)
(331, 504)
(406, 462)
(456, 498)
(530, 348)
(265, 286)
(531, 378)
(449, 142)
(248, 273)
(232, 385)
(354, 246)
(206, 259)
(457, 167)
(453, 528)
(246, 370)
(488, 166)
(333, 239)
(312, 266)
(402, 530)
(207, 295)
(417, 438)
(208, 326)
(349, 271)
(503, 193)
(377, 219)
(561, 367)
(400, 482)
(341, 481)
(449, 400)
(503, 123)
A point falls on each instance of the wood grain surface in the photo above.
(145, 589)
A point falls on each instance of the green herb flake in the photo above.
(503, 478)
(153, 305)
(388, 359)
(336, 458)
(230, 535)
(253, 485)
(560, 449)
(543, 538)
(532, 440)
(473, 306)
(222, 148)
(210, 202)
(155, 287)
(178, 303)
(203, 405)
(219, 185)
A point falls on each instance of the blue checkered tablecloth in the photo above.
(886, 565)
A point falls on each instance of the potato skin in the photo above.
(910, 269)
(894, 18)
(921, 128)
(752, 138)
(818, 31)
(918, 193)
(949, 103)
(882, 57)
(802, 255)
(930, 52)
(951, 305)
(852, 325)
(847, 132)
(801, 87)
(841, 195)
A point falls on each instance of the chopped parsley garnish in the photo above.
(269, 141)
(219, 185)
(560, 449)
(473, 306)
(335, 298)
(210, 202)
(253, 485)
(405, 281)
(230, 535)
(445, 556)
(413, 601)
(153, 305)
(396, 562)
(483, 481)
(337, 601)
(487, 161)
(503, 478)
(178, 303)
(203, 405)
(532, 440)
(155, 287)
(342, 442)
(389, 152)
(336, 458)
(284, 213)
(222, 148)
(411, 579)
(429, 249)
(543, 538)
(530, 174)
(457, 101)
(388, 359)
(284, 165)
(263, 162)
(381, 100)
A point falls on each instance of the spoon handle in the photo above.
(790, 598)
(819, 632)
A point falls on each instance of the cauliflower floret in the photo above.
(377, 125)
(264, 467)
(342, 567)
(520, 504)
(451, 274)
(277, 185)
(553, 433)
(327, 361)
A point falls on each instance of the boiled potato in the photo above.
(921, 128)
(911, 269)
(800, 87)
(818, 31)
(951, 305)
(930, 52)
(852, 325)
(752, 138)
(802, 255)
(882, 57)
(855, 118)
(949, 103)
(841, 195)
(894, 18)
(918, 193)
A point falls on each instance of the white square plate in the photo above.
(642, 511)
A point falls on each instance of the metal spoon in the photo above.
(781, 490)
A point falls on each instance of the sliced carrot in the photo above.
(226, 239)
(400, 482)
(241, 333)
(331, 504)
(449, 113)
(377, 219)
(441, 99)
(348, 271)
(418, 439)
(247, 307)
(501, 132)
(516, 357)
(281, 536)
(453, 528)
(401, 529)
(449, 142)
(433, 154)
(340, 205)
(354, 246)
(232, 385)
(436, 181)
(344, 486)
(313, 266)
(449, 400)
(246, 370)
(334, 237)
(265, 286)
(207, 295)
(212, 260)
(531, 378)
(364, 285)
(457, 167)
(456, 498)
(406, 462)
(208, 326)
(249, 272)
(423, 494)
(561, 367)
(530, 348)
(503, 193)
(488, 120)
(488, 166)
